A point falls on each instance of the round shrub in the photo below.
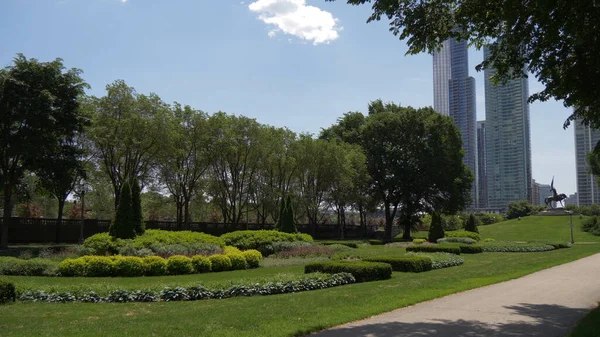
(415, 264)
(238, 262)
(376, 242)
(220, 262)
(260, 239)
(201, 264)
(157, 236)
(252, 257)
(361, 270)
(453, 249)
(470, 249)
(179, 265)
(98, 266)
(32, 267)
(129, 266)
(231, 250)
(419, 241)
(103, 244)
(7, 292)
(464, 240)
(72, 267)
(463, 234)
(154, 266)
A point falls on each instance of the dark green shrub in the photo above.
(98, 266)
(464, 240)
(376, 242)
(451, 222)
(154, 266)
(345, 243)
(7, 292)
(415, 264)
(252, 257)
(136, 208)
(436, 231)
(179, 265)
(463, 234)
(559, 245)
(453, 249)
(471, 224)
(261, 239)
(489, 218)
(287, 218)
(31, 267)
(361, 270)
(201, 264)
(517, 209)
(122, 226)
(72, 267)
(591, 225)
(128, 266)
(470, 249)
(220, 262)
(103, 244)
(238, 262)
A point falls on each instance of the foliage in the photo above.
(129, 266)
(252, 257)
(451, 222)
(157, 236)
(98, 266)
(415, 264)
(7, 292)
(179, 265)
(193, 293)
(588, 325)
(441, 260)
(30, 267)
(73, 267)
(137, 218)
(310, 251)
(552, 40)
(419, 241)
(464, 240)
(488, 218)
(453, 249)
(471, 224)
(261, 239)
(560, 245)
(231, 250)
(102, 244)
(507, 246)
(376, 242)
(340, 248)
(463, 234)
(155, 266)
(350, 244)
(361, 270)
(287, 219)
(238, 262)
(517, 209)
(220, 262)
(123, 227)
(436, 231)
(591, 225)
(470, 249)
(201, 264)
(280, 246)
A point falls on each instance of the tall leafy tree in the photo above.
(414, 157)
(39, 111)
(136, 208)
(558, 41)
(127, 133)
(123, 226)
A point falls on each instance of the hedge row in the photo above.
(350, 244)
(193, 293)
(470, 249)
(7, 292)
(261, 239)
(511, 247)
(415, 264)
(31, 267)
(441, 260)
(361, 270)
(453, 249)
(462, 234)
(130, 266)
(464, 240)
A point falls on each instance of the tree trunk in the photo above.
(363, 220)
(389, 221)
(186, 213)
(61, 206)
(7, 215)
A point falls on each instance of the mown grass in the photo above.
(289, 314)
(589, 326)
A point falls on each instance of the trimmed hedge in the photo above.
(252, 257)
(453, 249)
(193, 293)
(463, 234)
(512, 247)
(470, 249)
(376, 242)
(415, 264)
(419, 241)
(559, 245)
(201, 264)
(179, 265)
(31, 267)
(220, 262)
(345, 243)
(7, 292)
(361, 270)
(154, 266)
(261, 239)
(441, 260)
(464, 240)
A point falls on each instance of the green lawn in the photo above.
(589, 326)
(289, 314)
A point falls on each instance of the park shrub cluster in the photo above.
(415, 264)
(419, 241)
(362, 271)
(463, 240)
(193, 293)
(351, 244)
(261, 240)
(130, 266)
(29, 267)
(7, 292)
(452, 249)
(470, 249)
(441, 260)
(591, 225)
(507, 247)
(462, 234)
(310, 251)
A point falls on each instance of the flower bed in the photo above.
(509, 247)
(441, 260)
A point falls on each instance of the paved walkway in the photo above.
(544, 304)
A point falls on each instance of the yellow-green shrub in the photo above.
(252, 257)
(72, 267)
(179, 265)
(232, 250)
(238, 262)
(201, 264)
(154, 266)
(220, 262)
(129, 266)
(98, 266)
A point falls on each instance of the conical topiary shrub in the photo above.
(287, 221)
(122, 226)
(436, 230)
(136, 204)
(281, 212)
(471, 224)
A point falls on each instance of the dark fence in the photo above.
(34, 230)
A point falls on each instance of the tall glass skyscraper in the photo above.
(508, 143)
(454, 96)
(586, 138)
(481, 165)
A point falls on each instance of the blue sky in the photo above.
(302, 70)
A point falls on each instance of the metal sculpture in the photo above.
(555, 196)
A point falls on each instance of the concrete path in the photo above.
(544, 304)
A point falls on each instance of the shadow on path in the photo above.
(539, 320)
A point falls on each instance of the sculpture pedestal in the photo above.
(554, 211)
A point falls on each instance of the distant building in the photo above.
(544, 192)
(571, 199)
(586, 139)
(535, 193)
(454, 96)
(481, 165)
(507, 141)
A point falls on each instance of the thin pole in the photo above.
(82, 217)
(571, 219)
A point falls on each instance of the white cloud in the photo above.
(294, 17)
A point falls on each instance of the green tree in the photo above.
(288, 221)
(139, 225)
(414, 157)
(471, 224)
(517, 209)
(39, 111)
(128, 130)
(123, 226)
(557, 41)
(436, 229)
